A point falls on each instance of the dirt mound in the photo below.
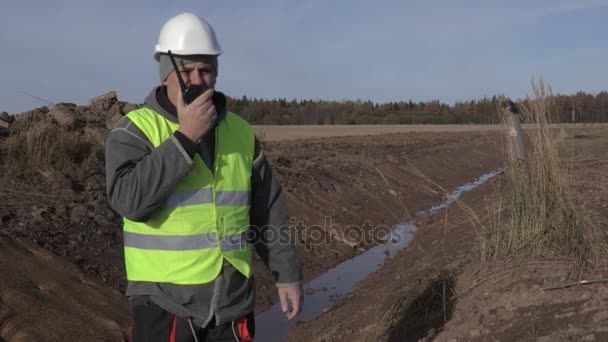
(53, 185)
(45, 298)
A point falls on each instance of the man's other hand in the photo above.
(291, 294)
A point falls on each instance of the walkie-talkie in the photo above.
(191, 92)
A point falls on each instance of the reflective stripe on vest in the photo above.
(205, 219)
(184, 243)
(203, 196)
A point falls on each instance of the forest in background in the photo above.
(580, 107)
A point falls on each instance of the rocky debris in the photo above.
(103, 103)
(27, 119)
(111, 122)
(117, 111)
(6, 117)
(79, 214)
(128, 107)
(107, 109)
(65, 114)
(103, 113)
(4, 123)
(95, 134)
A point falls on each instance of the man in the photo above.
(193, 186)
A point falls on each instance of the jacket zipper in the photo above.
(218, 280)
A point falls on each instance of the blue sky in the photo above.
(71, 51)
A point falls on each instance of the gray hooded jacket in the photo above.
(140, 177)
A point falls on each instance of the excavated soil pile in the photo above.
(52, 188)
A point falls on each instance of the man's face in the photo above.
(195, 73)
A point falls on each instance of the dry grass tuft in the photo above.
(539, 218)
(43, 147)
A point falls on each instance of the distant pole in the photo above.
(573, 113)
(518, 137)
(516, 132)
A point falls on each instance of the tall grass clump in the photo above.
(539, 218)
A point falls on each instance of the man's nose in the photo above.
(195, 78)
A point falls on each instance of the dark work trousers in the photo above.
(151, 323)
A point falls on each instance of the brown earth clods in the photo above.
(52, 194)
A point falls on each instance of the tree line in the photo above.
(580, 107)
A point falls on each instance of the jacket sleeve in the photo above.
(138, 176)
(274, 241)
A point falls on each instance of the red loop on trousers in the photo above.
(243, 331)
(173, 329)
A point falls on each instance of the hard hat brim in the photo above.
(185, 52)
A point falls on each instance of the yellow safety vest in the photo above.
(206, 217)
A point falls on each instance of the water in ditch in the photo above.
(271, 325)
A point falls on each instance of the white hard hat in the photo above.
(187, 34)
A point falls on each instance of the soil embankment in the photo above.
(44, 297)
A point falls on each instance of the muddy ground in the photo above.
(439, 289)
(52, 201)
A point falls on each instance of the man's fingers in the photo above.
(211, 111)
(296, 301)
(283, 299)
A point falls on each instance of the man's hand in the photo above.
(198, 117)
(291, 294)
